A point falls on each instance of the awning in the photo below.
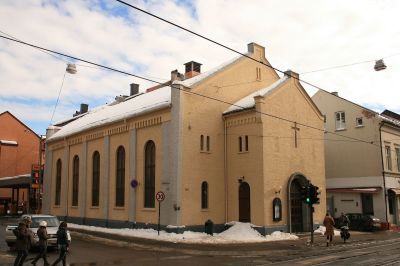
(355, 190)
(395, 190)
(20, 181)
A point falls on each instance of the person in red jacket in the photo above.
(329, 223)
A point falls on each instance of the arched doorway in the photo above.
(298, 211)
(244, 202)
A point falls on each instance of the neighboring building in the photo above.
(19, 150)
(212, 160)
(360, 174)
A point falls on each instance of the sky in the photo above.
(303, 36)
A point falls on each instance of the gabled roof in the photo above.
(384, 116)
(106, 114)
(19, 121)
(248, 101)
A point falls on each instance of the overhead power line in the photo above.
(178, 88)
(215, 42)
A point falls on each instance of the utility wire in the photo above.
(215, 42)
(58, 98)
(185, 91)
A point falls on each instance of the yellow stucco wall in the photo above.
(203, 116)
(281, 158)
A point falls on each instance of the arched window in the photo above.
(204, 195)
(201, 142)
(149, 174)
(75, 180)
(120, 178)
(96, 179)
(240, 144)
(208, 143)
(58, 183)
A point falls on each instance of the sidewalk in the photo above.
(264, 248)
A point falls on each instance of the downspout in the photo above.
(383, 171)
(225, 170)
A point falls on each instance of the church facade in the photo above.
(236, 143)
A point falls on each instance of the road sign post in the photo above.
(160, 196)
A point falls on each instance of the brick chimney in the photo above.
(192, 69)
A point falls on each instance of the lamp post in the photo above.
(40, 185)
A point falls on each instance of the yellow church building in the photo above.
(235, 143)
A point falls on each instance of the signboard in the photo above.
(160, 196)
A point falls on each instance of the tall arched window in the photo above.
(75, 180)
(149, 174)
(96, 179)
(58, 183)
(204, 195)
(201, 142)
(120, 178)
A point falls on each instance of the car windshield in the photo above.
(51, 221)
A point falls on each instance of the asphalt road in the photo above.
(363, 249)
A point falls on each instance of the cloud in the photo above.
(298, 35)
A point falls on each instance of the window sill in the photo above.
(74, 207)
(340, 129)
(149, 209)
(94, 207)
(119, 208)
(56, 206)
(243, 152)
(360, 126)
(207, 152)
(205, 210)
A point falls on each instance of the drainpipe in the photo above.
(225, 170)
(383, 171)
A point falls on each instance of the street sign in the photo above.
(160, 196)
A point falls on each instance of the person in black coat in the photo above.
(43, 236)
(22, 243)
(63, 243)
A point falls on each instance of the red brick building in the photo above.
(19, 150)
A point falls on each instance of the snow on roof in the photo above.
(196, 79)
(238, 233)
(248, 101)
(389, 119)
(14, 177)
(8, 142)
(107, 114)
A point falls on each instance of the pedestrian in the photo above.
(43, 236)
(22, 243)
(329, 223)
(63, 244)
(344, 220)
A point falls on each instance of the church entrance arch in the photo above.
(244, 202)
(298, 211)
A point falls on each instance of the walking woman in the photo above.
(42, 234)
(62, 241)
(22, 243)
(329, 223)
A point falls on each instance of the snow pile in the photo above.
(321, 230)
(238, 233)
(241, 232)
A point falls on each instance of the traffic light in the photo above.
(305, 194)
(314, 194)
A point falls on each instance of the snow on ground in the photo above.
(321, 230)
(237, 233)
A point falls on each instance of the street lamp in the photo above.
(379, 65)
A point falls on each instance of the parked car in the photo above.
(363, 222)
(52, 227)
